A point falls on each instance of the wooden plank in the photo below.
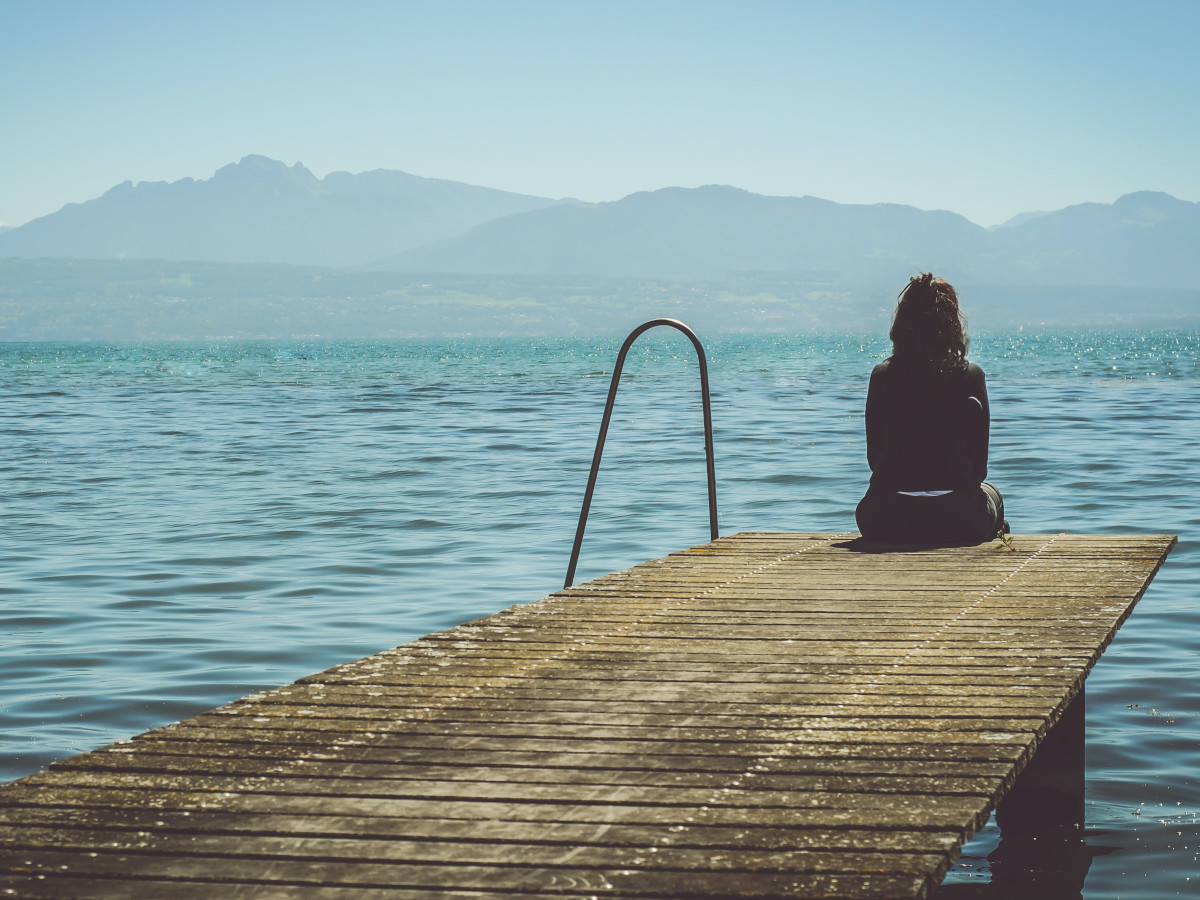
(436, 829)
(769, 715)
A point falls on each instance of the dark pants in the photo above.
(960, 517)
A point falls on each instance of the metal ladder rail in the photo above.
(608, 408)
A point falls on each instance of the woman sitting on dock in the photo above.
(927, 430)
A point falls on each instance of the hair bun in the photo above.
(928, 327)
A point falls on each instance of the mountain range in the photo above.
(260, 210)
(1144, 239)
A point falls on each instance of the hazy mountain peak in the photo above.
(1020, 219)
(116, 190)
(255, 169)
(1152, 206)
(261, 210)
(674, 194)
(1158, 198)
(704, 232)
(256, 162)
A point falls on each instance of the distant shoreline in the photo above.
(118, 300)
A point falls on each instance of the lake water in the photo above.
(184, 523)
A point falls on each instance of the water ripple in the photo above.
(184, 523)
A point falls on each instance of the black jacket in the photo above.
(924, 430)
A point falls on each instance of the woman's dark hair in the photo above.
(928, 329)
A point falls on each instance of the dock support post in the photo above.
(1047, 798)
(1042, 853)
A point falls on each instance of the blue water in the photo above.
(184, 523)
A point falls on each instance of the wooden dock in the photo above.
(768, 715)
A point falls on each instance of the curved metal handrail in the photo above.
(608, 408)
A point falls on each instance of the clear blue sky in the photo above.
(987, 109)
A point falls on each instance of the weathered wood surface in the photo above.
(769, 715)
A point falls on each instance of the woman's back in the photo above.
(924, 431)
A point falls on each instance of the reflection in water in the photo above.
(1041, 819)
(1046, 867)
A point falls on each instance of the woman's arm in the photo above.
(980, 428)
(875, 417)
